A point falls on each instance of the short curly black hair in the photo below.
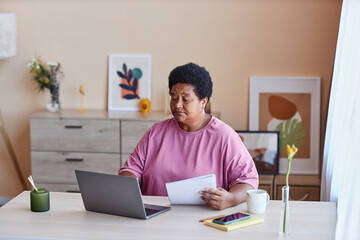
(194, 75)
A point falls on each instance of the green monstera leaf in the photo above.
(291, 132)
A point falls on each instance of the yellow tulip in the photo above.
(291, 151)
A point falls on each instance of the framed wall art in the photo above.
(263, 147)
(129, 81)
(291, 106)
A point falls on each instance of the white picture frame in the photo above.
(129, 80)
(276, 97)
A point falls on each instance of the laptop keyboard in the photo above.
(150, 211)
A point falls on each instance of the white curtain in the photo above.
(341, 165)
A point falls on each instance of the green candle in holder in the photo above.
(39, 198)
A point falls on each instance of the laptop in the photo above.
(114, 194)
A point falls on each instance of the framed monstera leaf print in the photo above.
(291, 106)
(129, 81)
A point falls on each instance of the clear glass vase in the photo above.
(284, 226)
(54, 104)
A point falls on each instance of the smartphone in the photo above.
(235, 217)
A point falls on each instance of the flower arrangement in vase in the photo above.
(284, 228)
(47, 75)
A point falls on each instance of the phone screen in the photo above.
(231, 218)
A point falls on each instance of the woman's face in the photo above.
(185, 106)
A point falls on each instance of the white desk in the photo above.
(67, 219)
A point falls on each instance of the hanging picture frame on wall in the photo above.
(129, 81)
(290, 105)
(263, 147)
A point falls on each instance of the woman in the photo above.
(192, 144)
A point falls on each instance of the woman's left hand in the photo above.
(218, 198)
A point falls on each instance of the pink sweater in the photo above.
(166, 153)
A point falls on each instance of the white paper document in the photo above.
(187, 191)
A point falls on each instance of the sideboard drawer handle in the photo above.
(73, 126)
(74, 159)
(73, 191)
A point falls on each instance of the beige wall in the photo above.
(233, 39)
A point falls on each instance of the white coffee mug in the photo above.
(257, 200)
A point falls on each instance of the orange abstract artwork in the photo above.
(129, 82)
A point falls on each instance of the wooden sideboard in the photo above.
(96, 140)
(302, 187)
